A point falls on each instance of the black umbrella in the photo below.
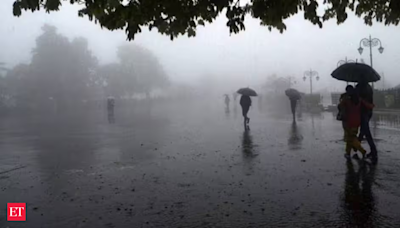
(247, 92)
(356, 72)
(293, 93)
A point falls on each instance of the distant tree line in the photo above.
(64, 73)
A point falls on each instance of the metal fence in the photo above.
(388, 98)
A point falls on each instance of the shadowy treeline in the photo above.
(64, 75)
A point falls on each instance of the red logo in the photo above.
(16, 212)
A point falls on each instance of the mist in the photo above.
(217, 130)
(247, 58)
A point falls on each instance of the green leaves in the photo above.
(17, 9)
(176, 18)
(52, 5)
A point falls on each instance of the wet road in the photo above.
(195, 166)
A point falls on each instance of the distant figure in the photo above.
(293, 96)
(351, 104)
(245, 102)
(110, 106)
(227, 101)
(366, 93)
(295, 137)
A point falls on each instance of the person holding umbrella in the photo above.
(245, 102)
(365, 92)
(362, 74)
(352, 106)
(227, 101)
(293, 96)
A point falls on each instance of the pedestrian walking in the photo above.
(293, 96)
(245, 102)
(365, 92)
(341, 112)
(362, 74)
(351, 106)
(110, 108)
(227, 101)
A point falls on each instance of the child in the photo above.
(352, 105)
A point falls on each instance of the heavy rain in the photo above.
(207, 119)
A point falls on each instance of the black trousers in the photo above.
(245, 110)
(366, 131)
(293, 104)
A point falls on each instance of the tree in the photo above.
(60, 67)
(137, 71)
(174, 18)
(59, 72)
(111, 77)
(141, 70)
(3, 86)
(18, 85)
(277, 84)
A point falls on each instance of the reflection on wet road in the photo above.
(358, 199)
(295, 137)
(175, 166)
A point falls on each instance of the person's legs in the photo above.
(363, 127)
(245, 110)
(347, 138)
(368, 135)
(356, 144)
(353, 142)
(293, 107)
(344, 130)
(247, 119)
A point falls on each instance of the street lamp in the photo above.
(341, 62)
(370, 42)
(311, 74)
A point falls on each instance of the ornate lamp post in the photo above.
(370, 42)
(341, 62)
(311, 74)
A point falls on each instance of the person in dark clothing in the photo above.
(293, 104)
(366, 93)
(293, 96)
(110, 106)
(245, 102)
(227, 100)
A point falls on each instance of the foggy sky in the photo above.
(246, 58)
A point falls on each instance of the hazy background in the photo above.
(214, 55)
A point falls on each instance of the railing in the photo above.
(387, 99)
(383, 99)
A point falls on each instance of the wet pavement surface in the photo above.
(195, 166)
